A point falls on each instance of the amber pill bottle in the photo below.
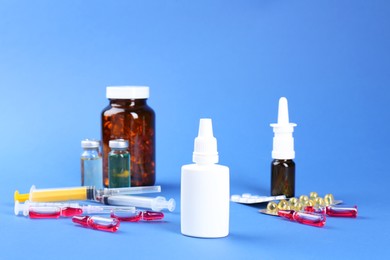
(129, 117)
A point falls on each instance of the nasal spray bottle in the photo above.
(283, 166)
(205, 189)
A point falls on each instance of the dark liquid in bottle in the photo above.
(283, 178)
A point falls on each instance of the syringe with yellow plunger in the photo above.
(79, 193)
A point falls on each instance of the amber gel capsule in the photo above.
(283, 166)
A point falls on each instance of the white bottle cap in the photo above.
(118, 143)
(127, 92)
(283, 142)
(90, 143)
(205, 145)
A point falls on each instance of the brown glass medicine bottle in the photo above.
(129, 117)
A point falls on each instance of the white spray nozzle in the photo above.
(283, 112)
(205, 128)
(283, 143)
(205, 145)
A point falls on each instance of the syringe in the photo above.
(56, 210)
(79, 193)
(157, 204)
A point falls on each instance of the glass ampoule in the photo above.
(97, 222)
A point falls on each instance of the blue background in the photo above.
(227, 60)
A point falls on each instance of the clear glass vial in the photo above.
(91, 164)
(119, 164)
(129, 117)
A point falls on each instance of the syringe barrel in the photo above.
(134, 190)
(58, 204)
(61, 194)
(89, 209)
(99, 193)
(156, 204)
(136, 201)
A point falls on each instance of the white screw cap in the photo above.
(205, 145)
(118, 144)
(127, 92)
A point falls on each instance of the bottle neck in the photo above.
(204, 163)
(127, 102)
(119, 149)
(90, 153)
(89, 149)
(283, 160)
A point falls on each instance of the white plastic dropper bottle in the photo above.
(205, 189)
